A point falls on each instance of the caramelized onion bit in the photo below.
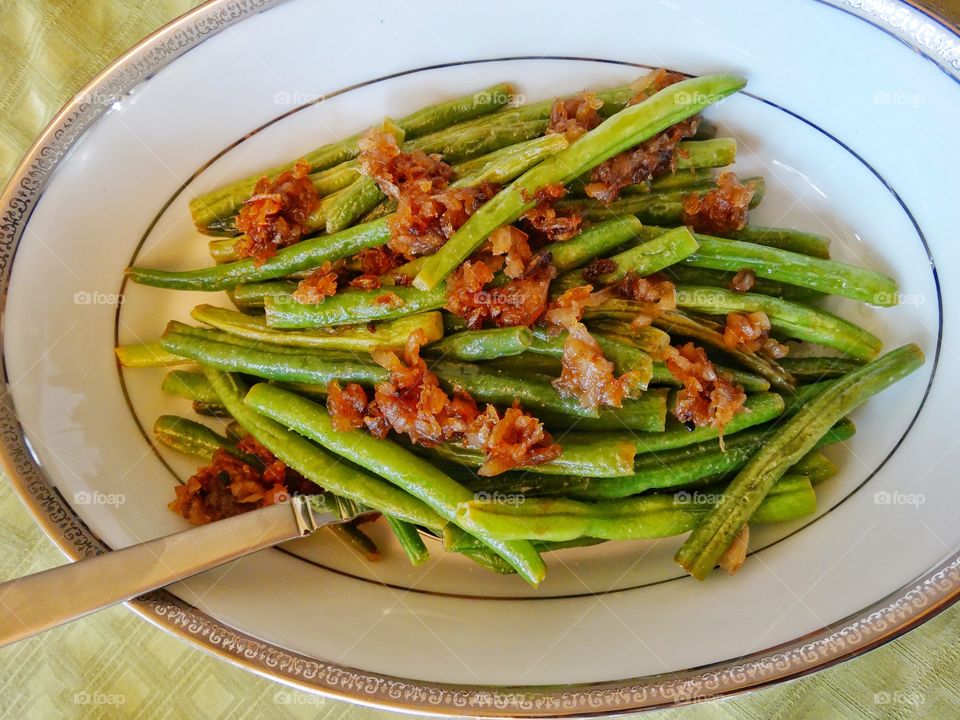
(587, 375)
(652, 83)
(750, 332)
(720, 211)
(465, 292)
(743, 281)
(707, 398)
(575, 116)
(428, 211)
(518, 302)
(378, 260)
(735, 555)
(412, 403)
(517, 439)
(390, 299)
(228, 486)
(544, 218)
(396, 171)
(512, 243)
(597, 268)
(566, 310)
(653, 158)
(319, 284)
(424, 221)
(276, 214)
(347, 406)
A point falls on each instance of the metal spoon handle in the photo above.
(32, 604)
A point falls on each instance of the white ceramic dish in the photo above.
(850, 113)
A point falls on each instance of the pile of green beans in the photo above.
(633, 471)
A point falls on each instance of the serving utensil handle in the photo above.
(38, 602)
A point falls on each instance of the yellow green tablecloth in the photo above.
(116, 665)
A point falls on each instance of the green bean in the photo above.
(814, 369)
(678, 323)
(826, 276)
(603, 456)
(803, 395)
(679, 180)
(317, 465)
(352, 306)
(392, 333)
(688, 275)
(327, 182)
(651, 340)
(356, 540)
(624, 357)
(189, 385)
(793, 240)
(491, 386)
(193, 438)
(456, 540)
(650, 516)
(362, 195)
(284, 367)
(682, 466)
(512, 161)
(525, 483)
(541, 367)
(695, 158)
(614, 100)
(251, 297)
(706, 153)
(709, 540)
(646, 413)
(488, 560)
(223, 250)
(470, 345)
(758, 409)
(643, 259)
(748, 381)
(593, 242)
(653, 208)
(356, 200)
(149, 354)
(483, 384)
(235, 341)
(225, 201)
(459, 144)
(535, 149)
(794, 320)
(691, 464)
(625, 129)
(303, 255)
(409, 472)
(816, 466)
(409, 538)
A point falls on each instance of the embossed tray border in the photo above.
(936, 590)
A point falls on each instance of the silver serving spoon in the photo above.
(32, 604)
